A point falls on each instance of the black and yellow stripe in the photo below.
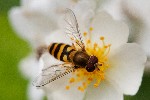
(61, 51)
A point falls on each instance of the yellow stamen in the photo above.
(105, 46)
(109, 45)
(102, 77)
(85, 34)
(78, 75)
(67, 87)
(95, 85)
(88, 41)
(84, 84)
(95, 44)
(72, 38)
(98, 75)
(107, 52)
(80, 88)
(90, 79)
(72, 80)
(102, 38)
(91, 28)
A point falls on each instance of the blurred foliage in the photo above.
(12, 49)
(5, 5)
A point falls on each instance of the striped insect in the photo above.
(74, 56)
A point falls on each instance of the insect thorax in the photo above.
(81, 58)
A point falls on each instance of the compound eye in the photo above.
(90, 68)
(93, 59)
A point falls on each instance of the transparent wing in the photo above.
(52, 73)
(72, 29)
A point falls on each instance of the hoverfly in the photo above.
(74, 56)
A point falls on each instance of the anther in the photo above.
(78, 75)
(109, 45)
(95, 44)
(106, 46)
(85, 33)
(88, 41)
(102, 77)
(90, 79)
(91, 28)
(72, 38)
(84, 84)
(102, 38)
(67, 87)
(72, 80)
(95, 85)
(80, 89)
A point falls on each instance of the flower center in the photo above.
(82, 75)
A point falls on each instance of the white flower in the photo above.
(137, 14)
(33, 21)
(122, 69)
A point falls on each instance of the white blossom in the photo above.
(38, 22)
(33, 21)
(124, 72)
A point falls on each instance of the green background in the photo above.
(12, 85)
(12, 49)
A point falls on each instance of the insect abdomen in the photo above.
(61, 51)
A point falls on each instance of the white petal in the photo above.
(50, 8)
(31, 27)
(115, 32)
(84, 12)
(144, 40)
(29, 66)
(127, 67)
(139, 14)
(114, 8)
(58, 36)
(57, 91)
(105, 91)
(136, 9)
(21, 24)
(45, 7)
(34, 93)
